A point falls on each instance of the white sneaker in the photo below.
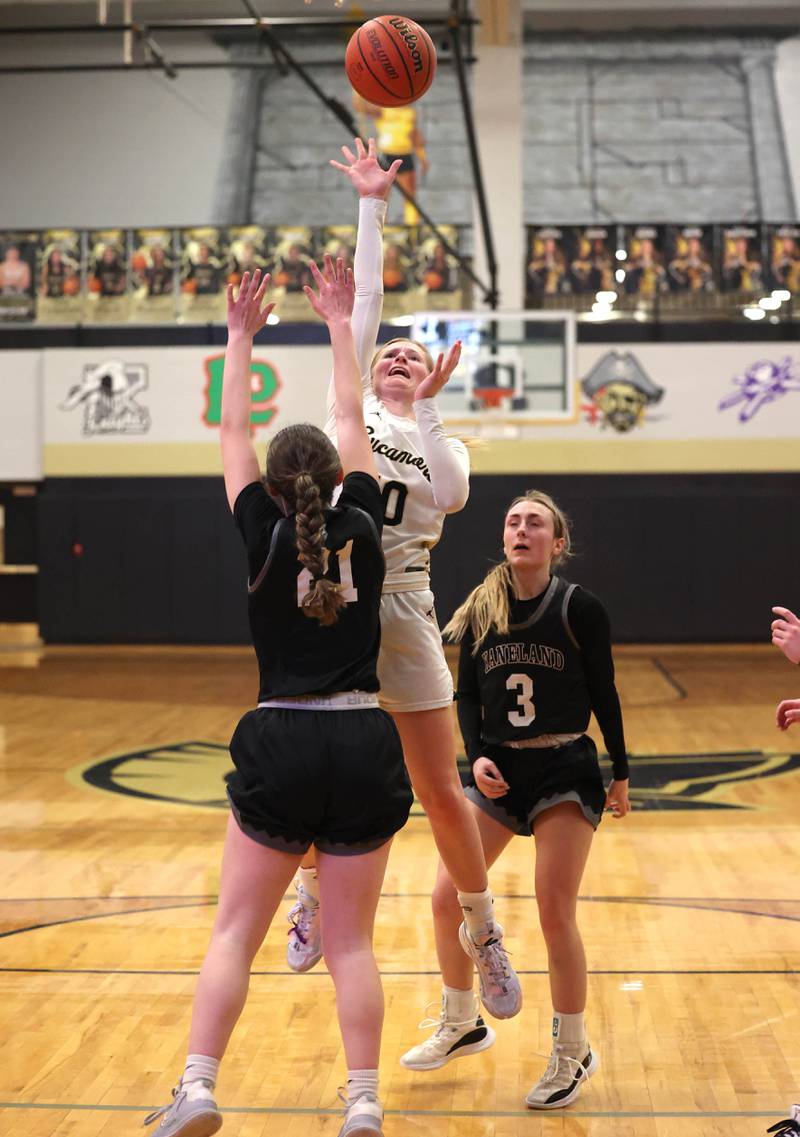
(561, 1082)
(192, 1113)
(364, 1118)
(501, 993)
(304, 949)
(449, 1040)
(790, 1127)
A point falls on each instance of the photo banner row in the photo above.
(655, 261)
(164, 276)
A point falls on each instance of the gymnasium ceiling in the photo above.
(543, 14)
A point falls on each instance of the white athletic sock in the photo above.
(308, 879)
(360, 1082)
(200, 1068)
(459, 1006)
(478, 909)
(569, 1030)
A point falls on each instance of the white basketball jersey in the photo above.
(413, 521)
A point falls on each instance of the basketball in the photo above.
(390, 61)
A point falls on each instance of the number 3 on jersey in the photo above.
(523, 686)
(349, 591)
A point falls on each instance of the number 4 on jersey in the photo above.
(349, 591)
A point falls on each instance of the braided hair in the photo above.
(303, 467)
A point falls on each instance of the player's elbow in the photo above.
(453, 499)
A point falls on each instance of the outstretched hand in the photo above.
(365, 172)
(336, 291)
(786, 633)
(246, 317)
(787, 712)
(433, 382)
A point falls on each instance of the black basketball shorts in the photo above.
(407, 163)
(334, 779)
(541, 778)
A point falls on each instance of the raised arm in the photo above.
(245, 317)
(446, 457)
(333, 301)
(373, 185)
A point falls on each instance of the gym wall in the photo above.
(685, 492)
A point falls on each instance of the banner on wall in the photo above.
(570, 260)
(18, 257)
(157, 411)
(108, 299)
(679, 392)
(60, 277)
(153, 276)
(644, 407)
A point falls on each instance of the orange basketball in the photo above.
(72, 285)
(390, 61)
(433, 280)
(392, 277)
(94, 284)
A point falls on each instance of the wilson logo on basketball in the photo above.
(410, 40)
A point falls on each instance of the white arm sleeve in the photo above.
(368, 272)
(447, 458)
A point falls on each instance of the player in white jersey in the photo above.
(424, 475)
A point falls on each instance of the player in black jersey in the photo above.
(318, 762)
(535, 661)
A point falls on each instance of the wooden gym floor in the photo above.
(112, 764)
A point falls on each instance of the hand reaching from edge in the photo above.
(246, 317)
(787, 712)
(365, 172)
(432, 384)
(786, 634)
(335, 295)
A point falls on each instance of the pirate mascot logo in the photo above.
(621, 390)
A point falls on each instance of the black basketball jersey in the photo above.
(532, 681)
(296, 654)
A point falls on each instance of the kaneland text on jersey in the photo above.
(540, 654)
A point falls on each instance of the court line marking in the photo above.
(214, 896)
(673, 682)
(657, 902)
(306, 1111)
(633, 971)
